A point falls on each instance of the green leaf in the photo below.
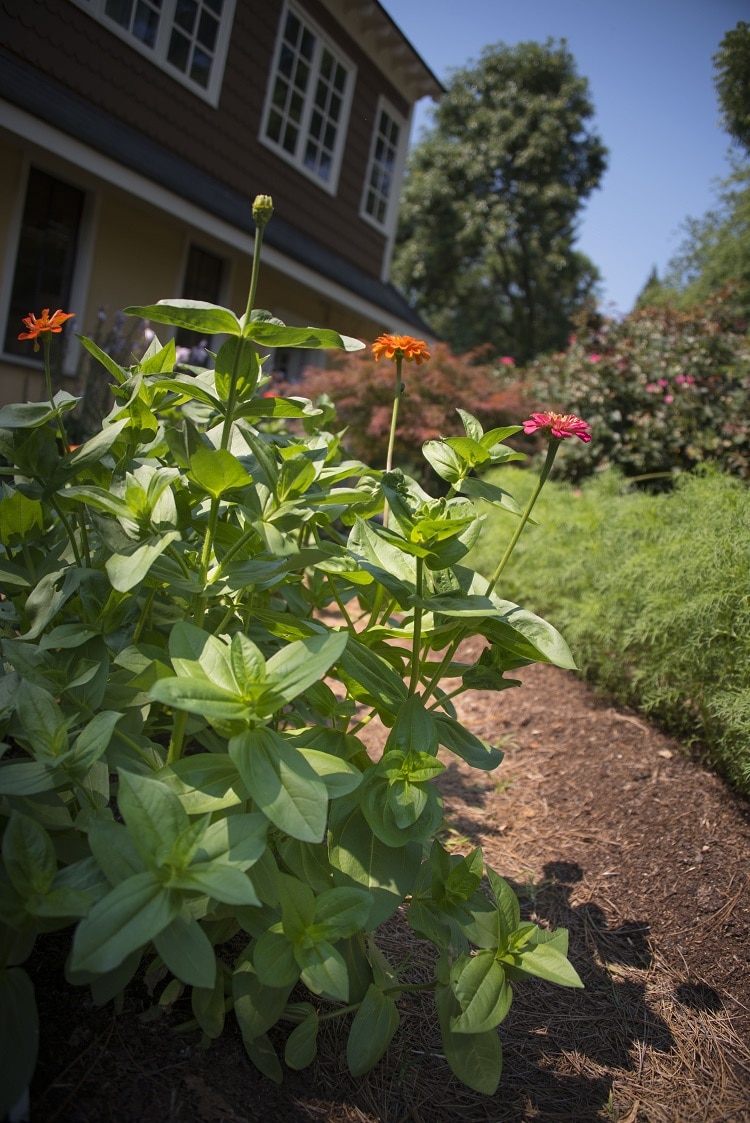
(342, 912)
(374, 1025)
(491, 493)
(298, 665)
(338, 775)
(19, 1036)
(217, 471)
(187, 951)
(282, 783)
(133, 913)
(274, 960)
(196, 315)
(545, 962)
(465, 744)
(154, 815)
(483, 994)
(263, 1055)
(19, 516)
(209, 1008)
(445, 460)
(475, 1058)
(368, 677)
(125, 571)
(360, 859)
(205, 782)
(257, 1006)
(29, 855)
(302, 1042)
(323, 970)
(527, 635)
(219, 880)
(506, 900)
(278, 335)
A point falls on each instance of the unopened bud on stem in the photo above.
(262, 210)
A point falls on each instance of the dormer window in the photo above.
(307, 105)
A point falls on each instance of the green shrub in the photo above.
(653, 592)
(663, 390)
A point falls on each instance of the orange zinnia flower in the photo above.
(45, 323)
(400, 346)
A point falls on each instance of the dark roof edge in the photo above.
(43, 97)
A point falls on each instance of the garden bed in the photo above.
(603, 826)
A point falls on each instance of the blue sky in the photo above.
(650, 72)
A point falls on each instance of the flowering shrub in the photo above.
(180, 726)
(664, 390)
(362, 390)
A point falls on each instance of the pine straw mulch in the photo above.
(602, 825)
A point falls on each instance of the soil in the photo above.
(603, 825)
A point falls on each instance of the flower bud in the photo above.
(262, 210)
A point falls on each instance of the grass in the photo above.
(652, 593)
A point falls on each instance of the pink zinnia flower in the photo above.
(680, 379)
(594, 358)
(663, 382)
(651, 387)
(558, 425)
(507, 361)
(668, 399)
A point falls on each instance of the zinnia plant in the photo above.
(185, 788)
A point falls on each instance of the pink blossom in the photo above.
(680, 379)
(507, 361)
(652, 388)
(663, 382)
(558, 425)
(594, 358)
(690, 380)
(668, 399)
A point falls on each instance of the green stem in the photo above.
(68, 531)
(416, 642)
(394, 421)
(178, 737)
(554, 444)
(232, 395)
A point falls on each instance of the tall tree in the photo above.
(732, 81)
(488, 215)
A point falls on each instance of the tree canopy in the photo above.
(732, 81)
(493, 190)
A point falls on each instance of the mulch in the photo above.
(603, 825)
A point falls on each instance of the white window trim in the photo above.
(158, 53)
(388, 226)
(296, 162)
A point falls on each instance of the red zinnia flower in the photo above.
(558, 425)
(393, 346)
(45, 323)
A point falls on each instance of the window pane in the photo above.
(200, 71)
(46, 253)
(185, 14)
(145, 24)
(179, 51)
(207, 31)
(203, 277)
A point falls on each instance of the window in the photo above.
(383, 168)
(46, 254)
(189, 38)
(308, 100)
(204, 274)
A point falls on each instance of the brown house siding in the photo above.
(60, 39)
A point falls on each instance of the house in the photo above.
(134, 135)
